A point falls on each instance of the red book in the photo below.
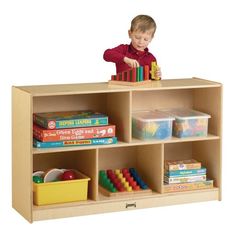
(46, 135)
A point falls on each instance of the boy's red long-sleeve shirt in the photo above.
(118, 53)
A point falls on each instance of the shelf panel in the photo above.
(86, 88)
(134, 142)
(174, 140)
(111, 205)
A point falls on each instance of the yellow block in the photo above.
(154, 69)
(61, 191)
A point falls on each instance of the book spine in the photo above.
(40, 121)
(187, 179)
(183, 166)
(86, 122)
(83, 142)
(45, 135)
(181, 173)
(169, 188)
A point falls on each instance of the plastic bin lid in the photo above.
(155, 115)
(184, 113)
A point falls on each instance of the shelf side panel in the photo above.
(22, 152)
(209, 100)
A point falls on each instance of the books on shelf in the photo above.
(169, 188)
(184, 179)
(82, 142)
(52, 135)
(69, 119)
(72, 128)
(183, 175)
(182, 165)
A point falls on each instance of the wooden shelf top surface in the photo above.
(103, 87)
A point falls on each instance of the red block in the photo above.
(128, 76)
(136, 187)
(123, 76)
(125, 170)
(146, 72)
(134, 75)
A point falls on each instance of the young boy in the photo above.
(135, 54)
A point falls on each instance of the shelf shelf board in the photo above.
(104, 87)
(134, 142)
(174, 140)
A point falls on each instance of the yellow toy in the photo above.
(154, 69)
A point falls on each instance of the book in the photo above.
(182, 165)
(185, 179)
(169, 188)
(180, 173)
(51, 135)
(82, 142)
(70, 119)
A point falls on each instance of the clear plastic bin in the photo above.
(151, 125)
(189, 123)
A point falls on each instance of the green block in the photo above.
(137, 74)
(140, 73)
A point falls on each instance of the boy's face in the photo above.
(140, 40)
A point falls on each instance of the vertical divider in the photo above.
(119, 110)
(130, 115)
(97, 175)
(150, 165)
(162, 167)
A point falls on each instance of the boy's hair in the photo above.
(143, 23)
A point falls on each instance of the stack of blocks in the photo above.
(136, 76)
(133, 75)
(125, 180)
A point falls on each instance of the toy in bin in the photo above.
(59, 186)
(151, 125)
(189, 123)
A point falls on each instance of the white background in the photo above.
(48, 42)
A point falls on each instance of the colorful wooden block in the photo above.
(140, 73)
(146, 72)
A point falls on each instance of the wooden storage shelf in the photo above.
(148, 156)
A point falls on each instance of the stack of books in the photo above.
(70, 128)
(185, 175)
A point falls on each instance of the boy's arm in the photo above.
(116, 54)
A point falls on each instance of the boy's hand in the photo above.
(131, 62)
